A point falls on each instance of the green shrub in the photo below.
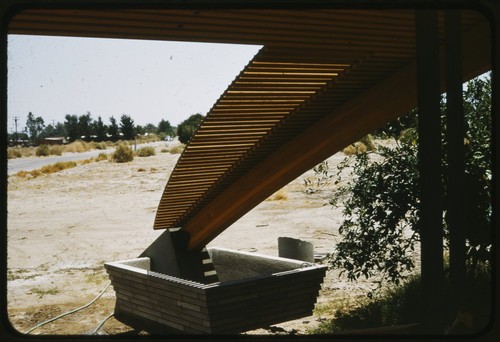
(146, 151)
(42, 150)
(402, 304)
(122, 154)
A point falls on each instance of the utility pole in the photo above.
(15, 123)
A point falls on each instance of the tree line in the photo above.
(84, 127)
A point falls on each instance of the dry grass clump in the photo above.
(101, 156)
(47, 169)
(365, 144)
(123, 154)
(100, 146)
(42, 150)
(53, 168)
(14, 152)
(59, 166)
(357, 147)
(146, 151)
(280, 195)
(56, 150)
(18, 152)
(78, 146)
(176, 149)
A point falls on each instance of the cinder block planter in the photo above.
(254, 291)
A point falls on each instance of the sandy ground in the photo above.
(63, 227)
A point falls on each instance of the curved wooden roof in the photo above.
(323, 79)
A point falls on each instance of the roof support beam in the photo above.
(357, 117)
(456, 163)
(345, 125)
(430, 224)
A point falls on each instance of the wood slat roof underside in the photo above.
(326, 70)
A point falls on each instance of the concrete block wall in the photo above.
(225, 307)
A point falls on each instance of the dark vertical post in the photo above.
(430, 220)
(456, 164)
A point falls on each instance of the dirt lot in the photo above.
(64, 226)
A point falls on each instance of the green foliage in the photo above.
(395, 128)
(320, 179)
(186, 129)
(146, 151)
(402, 304)
(85, 126)
(380, 209)
(72, 127)
(42, 150)
(113, 129)
(100, 129)
(165, 128)
(397, 305)
(127, 127)
(35, 127)
(122, 154)
(478, 168)
(381, 203)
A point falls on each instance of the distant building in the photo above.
(54, 141)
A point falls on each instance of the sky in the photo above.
(147, 80)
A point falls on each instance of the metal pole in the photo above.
(430, 220)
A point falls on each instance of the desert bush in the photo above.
(42, 150)
(280, 195)
(146, 151)
(367, 140)
(13, 153)
(101, 156)
(53, 168)
(409, 136)
(22, 174)
(122, 154)
(175, 149)
(75, 146)
(56, 150)
(47, 169)
(356, 148)
(101, 146)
